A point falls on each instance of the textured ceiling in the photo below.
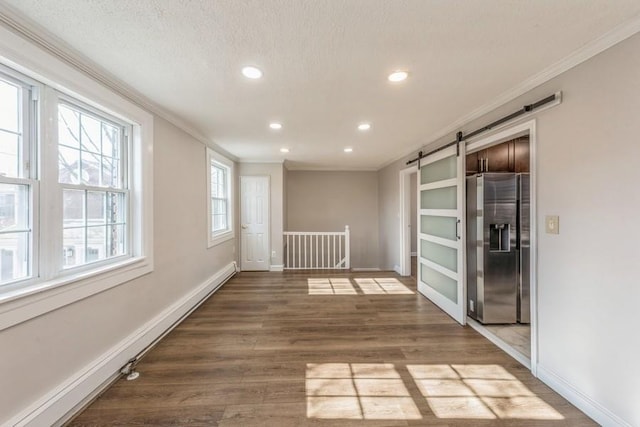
(325, 64)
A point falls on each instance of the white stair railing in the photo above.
(311, 250)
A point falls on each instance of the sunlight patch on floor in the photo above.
(367, 286)
(381, 286)
(478, 391)
(331, 287)
(363, 391)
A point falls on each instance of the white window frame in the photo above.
(29, 116)
(124, 172)
(215, 238)
(52, 288)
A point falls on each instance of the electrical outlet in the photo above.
(552, 224)
(273, 254)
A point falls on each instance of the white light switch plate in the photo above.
(552, 224)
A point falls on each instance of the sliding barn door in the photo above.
(441, 231)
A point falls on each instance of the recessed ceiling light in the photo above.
(275, 126)
(364, 126)
(252, 72)
(348, 150)
(398, 76)
(284, 150)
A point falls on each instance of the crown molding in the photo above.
(586, 52)
(244, 161)
(328, 169)
(44, 39)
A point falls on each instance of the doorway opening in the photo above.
(501, 230)
(444, 221)
(408, 223)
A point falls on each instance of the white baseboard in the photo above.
(61, 403)
(397, 269)
(365, 269)
(278, 267)
(499, 342)
(593, 409)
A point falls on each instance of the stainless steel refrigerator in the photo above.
(495, 216)
(524, 256)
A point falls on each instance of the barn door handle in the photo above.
(457, 231)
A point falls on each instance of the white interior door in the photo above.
(441, 276)
(254, 223)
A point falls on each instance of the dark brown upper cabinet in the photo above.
(510, 156)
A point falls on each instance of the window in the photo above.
(220, 171)
(91, 158)
(89, 208)
(16, 183)
(76, 190)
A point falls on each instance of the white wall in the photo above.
(588, 155)
(389, 216)
(329, 200)
(276, 202)
(41, 353)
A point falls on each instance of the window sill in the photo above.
(220, 238)
(35, 300)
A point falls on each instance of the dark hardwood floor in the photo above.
(295, 349)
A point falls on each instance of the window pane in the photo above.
(96, 243)
(14, 207)
(14, 256)
(90, 169)
(95, 208)
(89, 149)
(9, 107)
(73, 208)
(16, 238)
(219, 223)
(218, 181)
(73, 246)
(9, 154)
(110, 140)
(110, 167)
(115, 240)
(68, 127)
(90, 134)
(68, 165)
(219, 207)
(105, 227)
(116, 208)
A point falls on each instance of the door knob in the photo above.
(244, 226)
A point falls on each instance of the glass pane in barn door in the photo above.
(440, 250)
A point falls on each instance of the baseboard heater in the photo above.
(129, 367)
